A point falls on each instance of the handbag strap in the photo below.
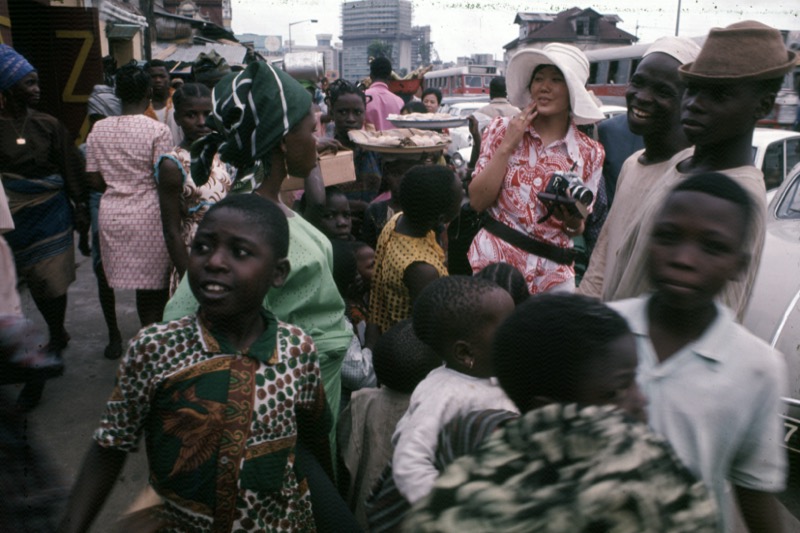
(562, 256)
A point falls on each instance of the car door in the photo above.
(779, 157)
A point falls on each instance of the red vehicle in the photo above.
(461, 81)
(610, 70)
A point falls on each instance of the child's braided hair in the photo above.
(340, 88)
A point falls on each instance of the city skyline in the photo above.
(491, 24)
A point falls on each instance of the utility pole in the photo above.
(149, 31)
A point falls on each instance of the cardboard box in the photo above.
(338, 168)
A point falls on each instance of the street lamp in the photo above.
(313, 21)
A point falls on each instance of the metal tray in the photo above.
(455, 122)
(403, 149)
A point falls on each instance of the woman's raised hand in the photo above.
(519, 124)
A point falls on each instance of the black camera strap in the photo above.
(562, 256)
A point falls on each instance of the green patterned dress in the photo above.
(220, 425)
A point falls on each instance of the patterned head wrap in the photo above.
(13, 67)
(253, 110)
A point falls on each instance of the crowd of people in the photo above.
(314, 361)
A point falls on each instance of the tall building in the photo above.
(384, 23)
(422, 52)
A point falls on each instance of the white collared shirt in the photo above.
(717, 401)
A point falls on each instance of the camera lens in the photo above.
(582, 194)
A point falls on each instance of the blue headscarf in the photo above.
(13, 67)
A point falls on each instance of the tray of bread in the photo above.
(400, 141)
(427, 121)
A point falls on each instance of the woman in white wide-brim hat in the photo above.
(518, 158)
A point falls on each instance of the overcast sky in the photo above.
(483, 26)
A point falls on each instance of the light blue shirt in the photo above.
(717, 401)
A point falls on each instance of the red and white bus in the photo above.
(610, 70)
(461, 81)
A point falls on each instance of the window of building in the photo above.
(585, 27)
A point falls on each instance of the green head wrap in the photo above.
(253, 110)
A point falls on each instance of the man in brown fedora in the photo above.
(732, 438)
(730, 86)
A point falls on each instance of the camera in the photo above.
(566, 188)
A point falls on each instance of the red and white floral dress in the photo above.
(517, 206)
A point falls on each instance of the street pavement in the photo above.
(63, 423)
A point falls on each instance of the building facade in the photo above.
(382, 23)
(217, 11)
(273, 48)
(585, 28)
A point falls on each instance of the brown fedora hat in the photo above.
(744, 51)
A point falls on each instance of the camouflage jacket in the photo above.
(568, 468)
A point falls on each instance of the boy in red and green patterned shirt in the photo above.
(221, 396)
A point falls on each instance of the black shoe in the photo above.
(45, 367)
(30, 396)
(113, 350)
(52, 367)
(58, 344)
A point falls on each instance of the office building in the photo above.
(383, 24)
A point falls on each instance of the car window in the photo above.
(773, 165)
(790, 203)
(792, 152)
(473, 81)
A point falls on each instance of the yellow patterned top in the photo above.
(390, 301)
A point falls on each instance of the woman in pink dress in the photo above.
(518, 158)
(120, 156)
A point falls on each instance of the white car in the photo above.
(774, 309)
(460, 138)
(463, 109)
(775, 152)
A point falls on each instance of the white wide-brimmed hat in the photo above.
(573, 65)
